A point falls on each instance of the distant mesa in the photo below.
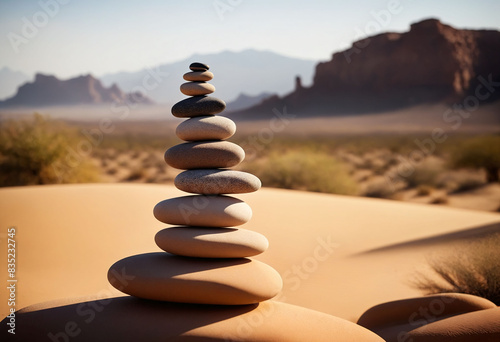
(250, 71)
(244, 101)
(432, 63)
(9, 81)
(48, 90)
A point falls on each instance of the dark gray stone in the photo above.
(204, 155)
(198, 106)
(197, 66)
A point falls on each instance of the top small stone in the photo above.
(196, 66)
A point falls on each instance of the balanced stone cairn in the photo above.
(207, 258)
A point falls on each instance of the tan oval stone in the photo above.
(197, 88)
(204, 155)
(200, 76)
(211, 242)
(203, 211)
(217, 181)
(155, 321)
(167, 277)
(206, 128)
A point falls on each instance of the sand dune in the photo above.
(444, 239)
(69, 235)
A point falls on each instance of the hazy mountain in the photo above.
(47, 90)
(251, 72)
(432, 63)
(244, 101)
(10, 80)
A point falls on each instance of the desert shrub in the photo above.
(304, 170)
(36, 151)
(379, 188)
(426, 172)
(123, 162)
(112, 171)
(135, 155)
(439, 199)
(424, 190)
(136, 174)
(481, 153)
(126, 142)
(466, 184)
(474, 269)
(461, 181)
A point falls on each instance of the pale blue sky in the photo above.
(100, 36)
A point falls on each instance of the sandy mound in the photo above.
(331, 251)
(132, 319)
(473, 326)
(397, 320)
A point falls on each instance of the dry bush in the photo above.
(135, 154)
(378, 161)
(460, 181)
(426, 172)
(136, 174)
(378, 187)
(37, 151)
(112, 171)
(424, 190)
(439, 199)
(304, 170)
(481, 153)
(474, 269)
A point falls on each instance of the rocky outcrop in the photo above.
(47, 90)
(433, 62)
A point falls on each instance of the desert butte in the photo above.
(336, 254)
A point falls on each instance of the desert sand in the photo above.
(336, 254)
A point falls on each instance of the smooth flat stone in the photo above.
(211, 242)
(203, 211)
(197, 66)
(392, 319)
(204, 155)
(198, 106)
(200, 76)
(129, 319)
(206, 128)
(217, 181)
(167, 277)
(197, 88)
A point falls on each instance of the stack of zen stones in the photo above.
(206, 259)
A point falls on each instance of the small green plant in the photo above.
(481, 153)
(474, 269)
(304, 170)
(32, 151)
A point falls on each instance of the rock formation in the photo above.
(432, 63)
(47, 90)
(206, 260)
